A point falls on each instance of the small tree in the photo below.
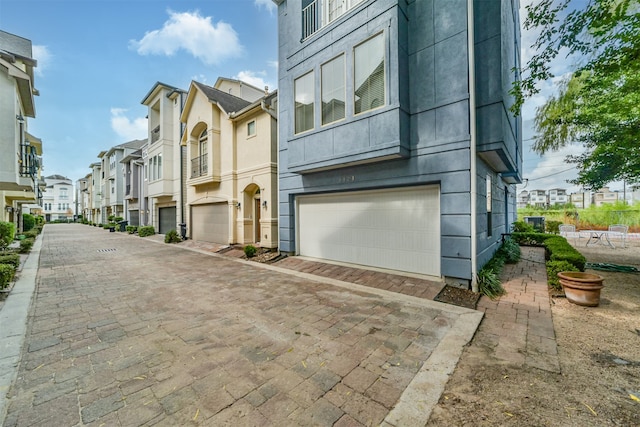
(7, 233)
(28, 222)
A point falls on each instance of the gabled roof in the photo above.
(157, 87)
(56, 177)
(227, 102)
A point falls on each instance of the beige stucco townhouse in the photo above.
(231, 140)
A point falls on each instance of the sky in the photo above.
(97, 60)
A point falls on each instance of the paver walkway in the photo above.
(124, 331)
(518, 327)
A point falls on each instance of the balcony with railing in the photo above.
(155, 134)
(318, 13)
(199, 166)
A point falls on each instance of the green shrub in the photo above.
(33, 233)
(111, 218)
(109, 225)
(11, 259)
(147, 230)
(7, 271)
(7, 233)
(118, 219)
(26, 245)
(558, 249)
(489, 283)
(522, 227)
(131, 229)
(172, 237)
(250, 251)
(555, 267)
(28, 222)
(553, 227)
(510, 251)
(530, 238)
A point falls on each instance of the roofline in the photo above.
(155, 87)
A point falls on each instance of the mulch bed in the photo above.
(458, 296)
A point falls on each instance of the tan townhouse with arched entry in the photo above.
(231, 143)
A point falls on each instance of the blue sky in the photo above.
(97, 59)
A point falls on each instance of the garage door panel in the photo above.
(396, 229)
(167, 219)
(210, 223)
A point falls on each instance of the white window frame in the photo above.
(255, 129)
(344, 88)
(384, 73)
(311, 75)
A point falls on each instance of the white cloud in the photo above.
(44, 58)
(126, 128)
(255, 78)
(267, 4)
(210, 42)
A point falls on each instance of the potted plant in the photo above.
(581, 288)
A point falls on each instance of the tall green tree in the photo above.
(599, 105)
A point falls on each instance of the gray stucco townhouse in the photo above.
(397, 149)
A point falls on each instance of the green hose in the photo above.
(611, 267)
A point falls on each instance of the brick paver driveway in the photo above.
(124, 331)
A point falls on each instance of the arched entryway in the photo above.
(251, 212)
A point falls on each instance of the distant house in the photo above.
(538, 198)
(523, 199)
(111, 183)
(163, 158)
(57, 200)
(135, 208)
(558, 196)
(231, 147)
(397, 148)
(605, 196)
(581, 199)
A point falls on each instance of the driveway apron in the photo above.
(124, 331)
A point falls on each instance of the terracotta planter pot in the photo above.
(581, 288)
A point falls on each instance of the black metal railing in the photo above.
(155, 134)
(199, 166)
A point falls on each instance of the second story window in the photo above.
(333, 92)
(200, 162)
(369, 80)
(251, 128)
(304, 99)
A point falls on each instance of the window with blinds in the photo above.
(304, 99)
(369, 76)
(333, 90)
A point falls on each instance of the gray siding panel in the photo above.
(421, 135)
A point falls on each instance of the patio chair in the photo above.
(569, 231)
(619, 231)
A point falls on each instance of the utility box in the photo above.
(537, 222)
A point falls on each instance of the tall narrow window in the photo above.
(160, 166)
(369, 74)
(333, 93)
(304, 99)
(251, 128)
(489, 205)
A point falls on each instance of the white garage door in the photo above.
(210, 223)
(397, 229)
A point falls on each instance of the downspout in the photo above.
(472, 129)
